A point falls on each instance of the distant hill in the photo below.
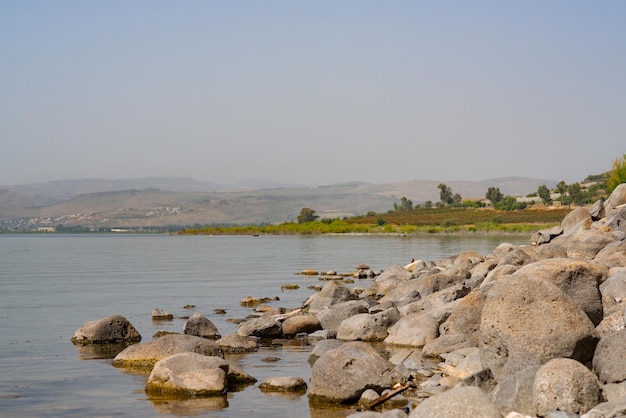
(162, 201)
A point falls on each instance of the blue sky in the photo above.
(311, 92)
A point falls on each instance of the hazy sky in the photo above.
(314, 93)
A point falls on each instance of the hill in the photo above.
(97, 203)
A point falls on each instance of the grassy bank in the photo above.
(415, 222)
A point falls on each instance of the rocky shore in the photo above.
(536, 330)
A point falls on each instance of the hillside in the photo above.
(175, 201)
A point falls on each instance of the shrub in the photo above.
(617, 175)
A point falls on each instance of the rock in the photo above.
(617, 198)
(344, 373)
(465, 316)
(466, 260)
(587, 243)
(613, 292)
(201, 326)
(368, 327)
(142, 356)
(515, 392)
(503, 249)
(301, 323)
(107, 330)
(616, 219)
(283, 384)
(413, 330)
(565, 385)
(439, 281)
(579, 279)
(265, 327)
(544, 236)
(613, 255)
(238, 378)
(309, 272)
(518, 257)
(572, 220)
(235, 343)
(331, 317)
(500, 271)
(460, 401)
(596, 211)
(161, 314)
(448, 343)
(187, 375)
(608, 360)
(527, 321)
(331, 294)
(321, 347)
(611, 324)
(388, 280)
(550, 250)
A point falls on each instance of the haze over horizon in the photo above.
(311, 93)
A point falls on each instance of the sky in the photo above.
(311, 93)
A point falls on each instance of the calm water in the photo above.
(51, 284)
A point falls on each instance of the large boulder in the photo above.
(342, 374)
(201, 326)
(264, 327)
(515, 392)
(331, 294)
(235, 343)
(388, 280)
(442, 280)
(144, 356)
(572, 221)
(368, 327)
(465, 316)
(608, 360)
(301, 324)
(613, 292)
(613, 255)
(579, 279)
(565, 385)
(460, 401)
(330, 318)
(186, 375)
(107, 330)
(413, 330)
(586, 244)
(528, 321)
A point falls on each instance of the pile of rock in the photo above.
(532, 330)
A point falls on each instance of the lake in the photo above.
(51, 284)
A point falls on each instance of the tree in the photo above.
(494, 195)
(445, 194)
(405, 205)
(428, 204)
(575, 193)
(544, 194)
(561, 188)
(617, 175)
(307, 215)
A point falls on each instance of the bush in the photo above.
(617, 175)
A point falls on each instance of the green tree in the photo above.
(575, 193)
(494, 195)
(617, 174)
(544, 194)
(405, 205)
(561, 188)
(428, 204)
(307, 215)
(445, 194)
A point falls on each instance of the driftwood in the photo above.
(386, 396)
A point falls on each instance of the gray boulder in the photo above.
(458, 402)
(342, 374)
(565, 385)
(617, 198)
(264, 327)
(413, 330)
(187, 375)
(519, 257)
(515, 392)
(368, 327)
(331, 294)
(465, 316)
(613, 292)
(235, 343)
(613, 255)
(608, 360)
(572, 221)
(579, 279)
(387, 281)
(545, 236)
(301, 324)
(330, 318)
(201, 326)
(107, 330)
(144, 356)
(161, 315)
(586, 244)
(550, 250)
(321, 347)
(440, 281)
(528, 321)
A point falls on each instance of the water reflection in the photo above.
(99, 351)
(189, 407)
